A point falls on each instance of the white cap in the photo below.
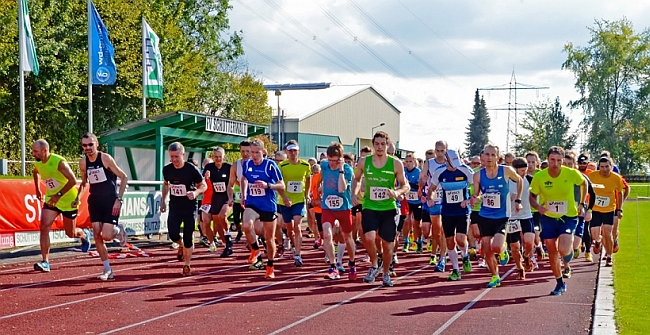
(454, 160)
(293, 147)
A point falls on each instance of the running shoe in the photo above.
(441, 265)
(521, 274)
(280, 251)
(238, 237)
(327, 260)
(318, 243)
(589, 258)
(106, 275)
(566, 273)
(559, 289)
(179, 254)
(121, 236)
(540, 253)
(226, 253)
(372, 273)
(433, 260)
(472, 254)
(395, 260)
(386, 281)
(269, 273)
(406, 246)
(576, 253)
(504, 258)
(608, 261)
(482, 263)
(495, 281)
(332, 274)
(418, 248)
(187, 271)
(310, 235)
(42, 266)
(391, 271)
(352, 274)
(253, 256)
(297, 261)
(204, 240)
(340, 268)
(597, 247)
(287, 244)
(429, 246)
(212, 248)
(258, 265)
(615, 245)
(174, 245)
(467, 265)
(528, 264)
(85, 241)
(455, 275)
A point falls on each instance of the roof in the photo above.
(300, 104)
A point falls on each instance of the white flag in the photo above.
(153, 75)
(28, 52)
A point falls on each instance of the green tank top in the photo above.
(477, 206)
(55, 181)
(378, 182)
(237, 194)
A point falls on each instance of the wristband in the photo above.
(518, 201)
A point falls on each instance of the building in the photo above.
(349, 114)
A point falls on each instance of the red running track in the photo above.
(223, 296)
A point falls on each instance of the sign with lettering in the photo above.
(224, 126)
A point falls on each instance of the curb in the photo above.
(603, 315)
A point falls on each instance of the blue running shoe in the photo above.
(85, 242)
(441, 265)
(559, 289)
(504, 258)
(42, 267)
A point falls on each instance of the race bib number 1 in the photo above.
(178, 190)
(378, 193)
(514, 226)
(491, 200)
(334, 202)
(454, 196)
(557, 207)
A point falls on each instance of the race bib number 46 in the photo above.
(491, 200)
(334, 202)
(294, 187)
(219, 187)
(257, 191)
(378, 193)
(557, 207)
(602, 201)
(178, 190)
(454, 196)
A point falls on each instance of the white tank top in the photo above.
(240, 169)
(525, 212)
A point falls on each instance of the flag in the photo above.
(28, 51)
(153, 71)
(102, 65)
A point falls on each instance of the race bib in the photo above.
(454, 196)
(514, 226)
(52, 184)
(378, 193)
(178, 190)
(96, 175)
(256, 191)
(437, 197)
(237, 196)
(602, 201)
(205, 208)
(412, 196)
(219, 187)
(491, 200)
(557, 207)
(334, 201)
(294, 187)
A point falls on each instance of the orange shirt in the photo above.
(207, 195)
(315, 194)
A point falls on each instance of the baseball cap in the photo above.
(583, 159)
(453, 158)
(293, 147)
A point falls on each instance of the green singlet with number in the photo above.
(378, 182)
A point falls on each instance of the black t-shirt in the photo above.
(180, 182)
(219, 178)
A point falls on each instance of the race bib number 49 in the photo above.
(378, 193)
(334, 202)
(491, 200)
(294, 187)
(557, 207)
(178, 190)
(454, 196)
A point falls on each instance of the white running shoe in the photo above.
(106, 275)
(121, 236)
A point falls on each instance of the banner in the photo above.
(153, 70)
(28, 52)
(102, 64)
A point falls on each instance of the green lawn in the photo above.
(639, 190)
(632, 271)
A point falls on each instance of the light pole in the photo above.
(375, 127)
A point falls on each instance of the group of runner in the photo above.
(490, 207)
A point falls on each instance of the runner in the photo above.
(205, 217)
(357, 209)
(492, 183)
(296, 174)
(316, 209)
(453, 181)
(380, 215)
(104, 202)
(61, 198)
(508, 158)
(435, 207)
(533, 161)
(559, 214)
(221, 201)
(413, 220)
(476, 163)
(236, 173)
(608, 186)
(337, 206)
(183, 181)
(583, 163)
(520, 224)
(261, 178)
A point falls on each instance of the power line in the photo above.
(275, 62)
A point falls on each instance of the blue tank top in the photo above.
(495, 201)
(263, 199)
(413, 177)
(454, 186)
(333, 200)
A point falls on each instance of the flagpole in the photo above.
(21, 42)
(90, 75)
(144, 70)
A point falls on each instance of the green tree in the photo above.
(544, 125)
(478, 129)
(611, 76)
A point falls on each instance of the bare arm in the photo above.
(65, 169)
(510, 173)
(404, 186)
(37, 182)
(84, 178)
(424, 174)
(358, 173)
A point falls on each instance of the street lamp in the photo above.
(375, 127)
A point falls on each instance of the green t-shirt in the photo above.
(55, 181)
(378, 182)
(293, 177)
(558, 193)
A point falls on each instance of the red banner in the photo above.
(20, 210)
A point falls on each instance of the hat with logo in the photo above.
(583, 159)
(454, 160)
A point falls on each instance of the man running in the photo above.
(520, 224)
(492, 183)
(357, 209)
(236, 173)
(184, 182)
(435, 207)
(104, 202)
(61, 198)
(380, 215)
(413, 220)
(532, 158)
(559, 215)
(222, 200)
(261, 178)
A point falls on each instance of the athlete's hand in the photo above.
(262, 184)
(472, 201)
(464, 203)
(76, 203)
(518, 207)
(620, 214)
(430, 203)
(242, 202)
(287, 202)
(163, 207)
(355, 200)
(116, 207)
(581, 211)
(588, 216)
(543, 210)
(39, 195)
(231, 201)
(191, 195)
(53, 200)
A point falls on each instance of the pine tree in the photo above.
(478, 129)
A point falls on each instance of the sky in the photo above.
(428, 57)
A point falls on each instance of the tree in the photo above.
(478, 129)
(612, 78)
(544, 125)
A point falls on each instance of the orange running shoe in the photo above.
(253, 257)
(269, 273)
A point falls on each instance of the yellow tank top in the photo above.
(55, 181)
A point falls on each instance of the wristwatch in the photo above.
(341, 172)
(517, 201)
(618, 210)
(120, 199)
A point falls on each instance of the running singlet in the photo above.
(557, 193)
(525, 212)
(605, 189)
(54, 182)
(103, 182)
(294, 180)
(261, 198)
(412, 177)
(180, 181)
(332, 199)
(454, 186)
(378, 182)
(206, 197)
(433, 166)
(315, 194)
(477, 205)
(496, 204)
(219, 179)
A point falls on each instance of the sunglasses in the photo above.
(89, 145)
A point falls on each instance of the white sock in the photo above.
(463, 251)
(453, 257)
(339, 253)
(116, 230)
(107, 266)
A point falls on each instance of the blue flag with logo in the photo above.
(102, 61)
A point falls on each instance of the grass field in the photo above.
(632, 270)
(639, 190)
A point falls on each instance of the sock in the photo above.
(407, 240)
(559, 281)
(568, 258)
(453, 257)
(107, 266)
(116, 230)
(351, 263)
(419, 241)
(269, 262)
(255, 246)
(332, 266)
(463, 251)
(340, 252)
(228, 241)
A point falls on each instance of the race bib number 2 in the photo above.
(378, 193)
(294, 187)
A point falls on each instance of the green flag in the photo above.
(28, 54)
(153, 71)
